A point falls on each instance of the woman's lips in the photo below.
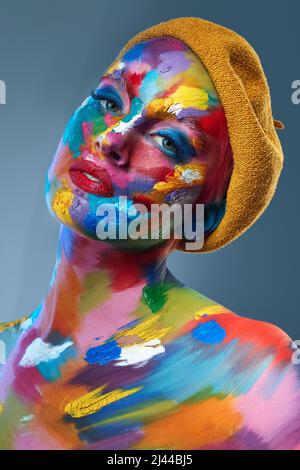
(92, 179)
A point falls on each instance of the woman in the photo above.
(120, 355)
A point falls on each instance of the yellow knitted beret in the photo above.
(239, 79)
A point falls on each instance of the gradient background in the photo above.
(52, 54)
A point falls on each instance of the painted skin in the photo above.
(120, 355)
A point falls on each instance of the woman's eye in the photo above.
(174, 143)
(110, 105)
(166, 143)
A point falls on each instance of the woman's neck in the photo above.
(95, 284)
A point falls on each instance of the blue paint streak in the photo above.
(73, 135)
(148, 87)
(103, 354)
(234, 368)
(134, 53)
(210, 332)
(51, 371)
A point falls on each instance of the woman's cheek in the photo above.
(171, 180)
(59, 168)
(182, 178)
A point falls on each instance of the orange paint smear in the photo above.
(65, 296)
(193, 426)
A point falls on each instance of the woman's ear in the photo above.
(213, 214)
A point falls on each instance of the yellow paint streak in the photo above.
(184, 97)
(94, 401)
(1, 408)
(179, 179)
(214, 309)
(180, 309)
(11, 324)
(61, 204)
(159, 107)
(145, 331)
(187, 96)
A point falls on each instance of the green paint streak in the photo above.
(155, 296)
(143, 412)
(99, 125)
(181, 305)
(204, 394)
(10, 417)
(96, 290)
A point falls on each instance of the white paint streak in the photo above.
(122, 127)
(26, 324)
(175, 108)
(38, 352)
(140, 353)
(189, 176)
(26, 419)
(121, 66)
(85, 102)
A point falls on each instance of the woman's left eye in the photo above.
(166, 143)
(173, 143)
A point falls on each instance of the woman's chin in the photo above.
(89, 230)
(79, 212)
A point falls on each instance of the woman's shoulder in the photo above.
(218, 363)
(11, 328)
(213, 323)
(9, 334)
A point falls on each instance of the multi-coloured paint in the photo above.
(120, 354)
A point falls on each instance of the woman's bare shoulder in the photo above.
(9, 334)
(213, 318)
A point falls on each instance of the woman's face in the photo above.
(150, 131)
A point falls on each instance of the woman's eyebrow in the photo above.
(110, 76)
(192, 124)
(166, 113)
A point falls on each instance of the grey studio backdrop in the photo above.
(51, 55)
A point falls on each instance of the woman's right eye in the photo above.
(109, 104)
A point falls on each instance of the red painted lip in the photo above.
(103, 187)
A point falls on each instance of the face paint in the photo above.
(138, 135)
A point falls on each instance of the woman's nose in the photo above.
(114, 147)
